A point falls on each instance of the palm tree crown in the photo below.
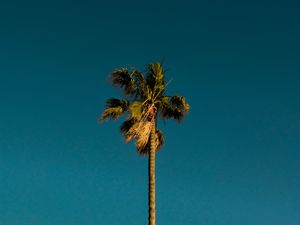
(147, 99)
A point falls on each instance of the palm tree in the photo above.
(147, 100)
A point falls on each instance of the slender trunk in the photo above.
(151, 176)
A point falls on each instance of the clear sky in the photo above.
(235, 160)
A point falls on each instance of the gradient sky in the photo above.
(235, 160)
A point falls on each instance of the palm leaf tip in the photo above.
(112, 113)
(180, 103)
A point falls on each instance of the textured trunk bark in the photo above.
(151, 176)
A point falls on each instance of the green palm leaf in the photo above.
(174, 107)
(123, 78)
(155, 78)
(114, 108)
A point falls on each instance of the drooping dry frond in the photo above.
(158, 143)
(144, 130)
(144, 151)
(132, 132)
(159, 139)
(139, 130)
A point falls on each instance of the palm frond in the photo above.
(123, 78)
(126, 126)
(113, 113)
(180, 103)
(143, 89)
(114, 108)
(155, 78)
(174, 107)
(114, 102)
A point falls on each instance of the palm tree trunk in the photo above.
(151, 176)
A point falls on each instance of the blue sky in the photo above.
(234, 160)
